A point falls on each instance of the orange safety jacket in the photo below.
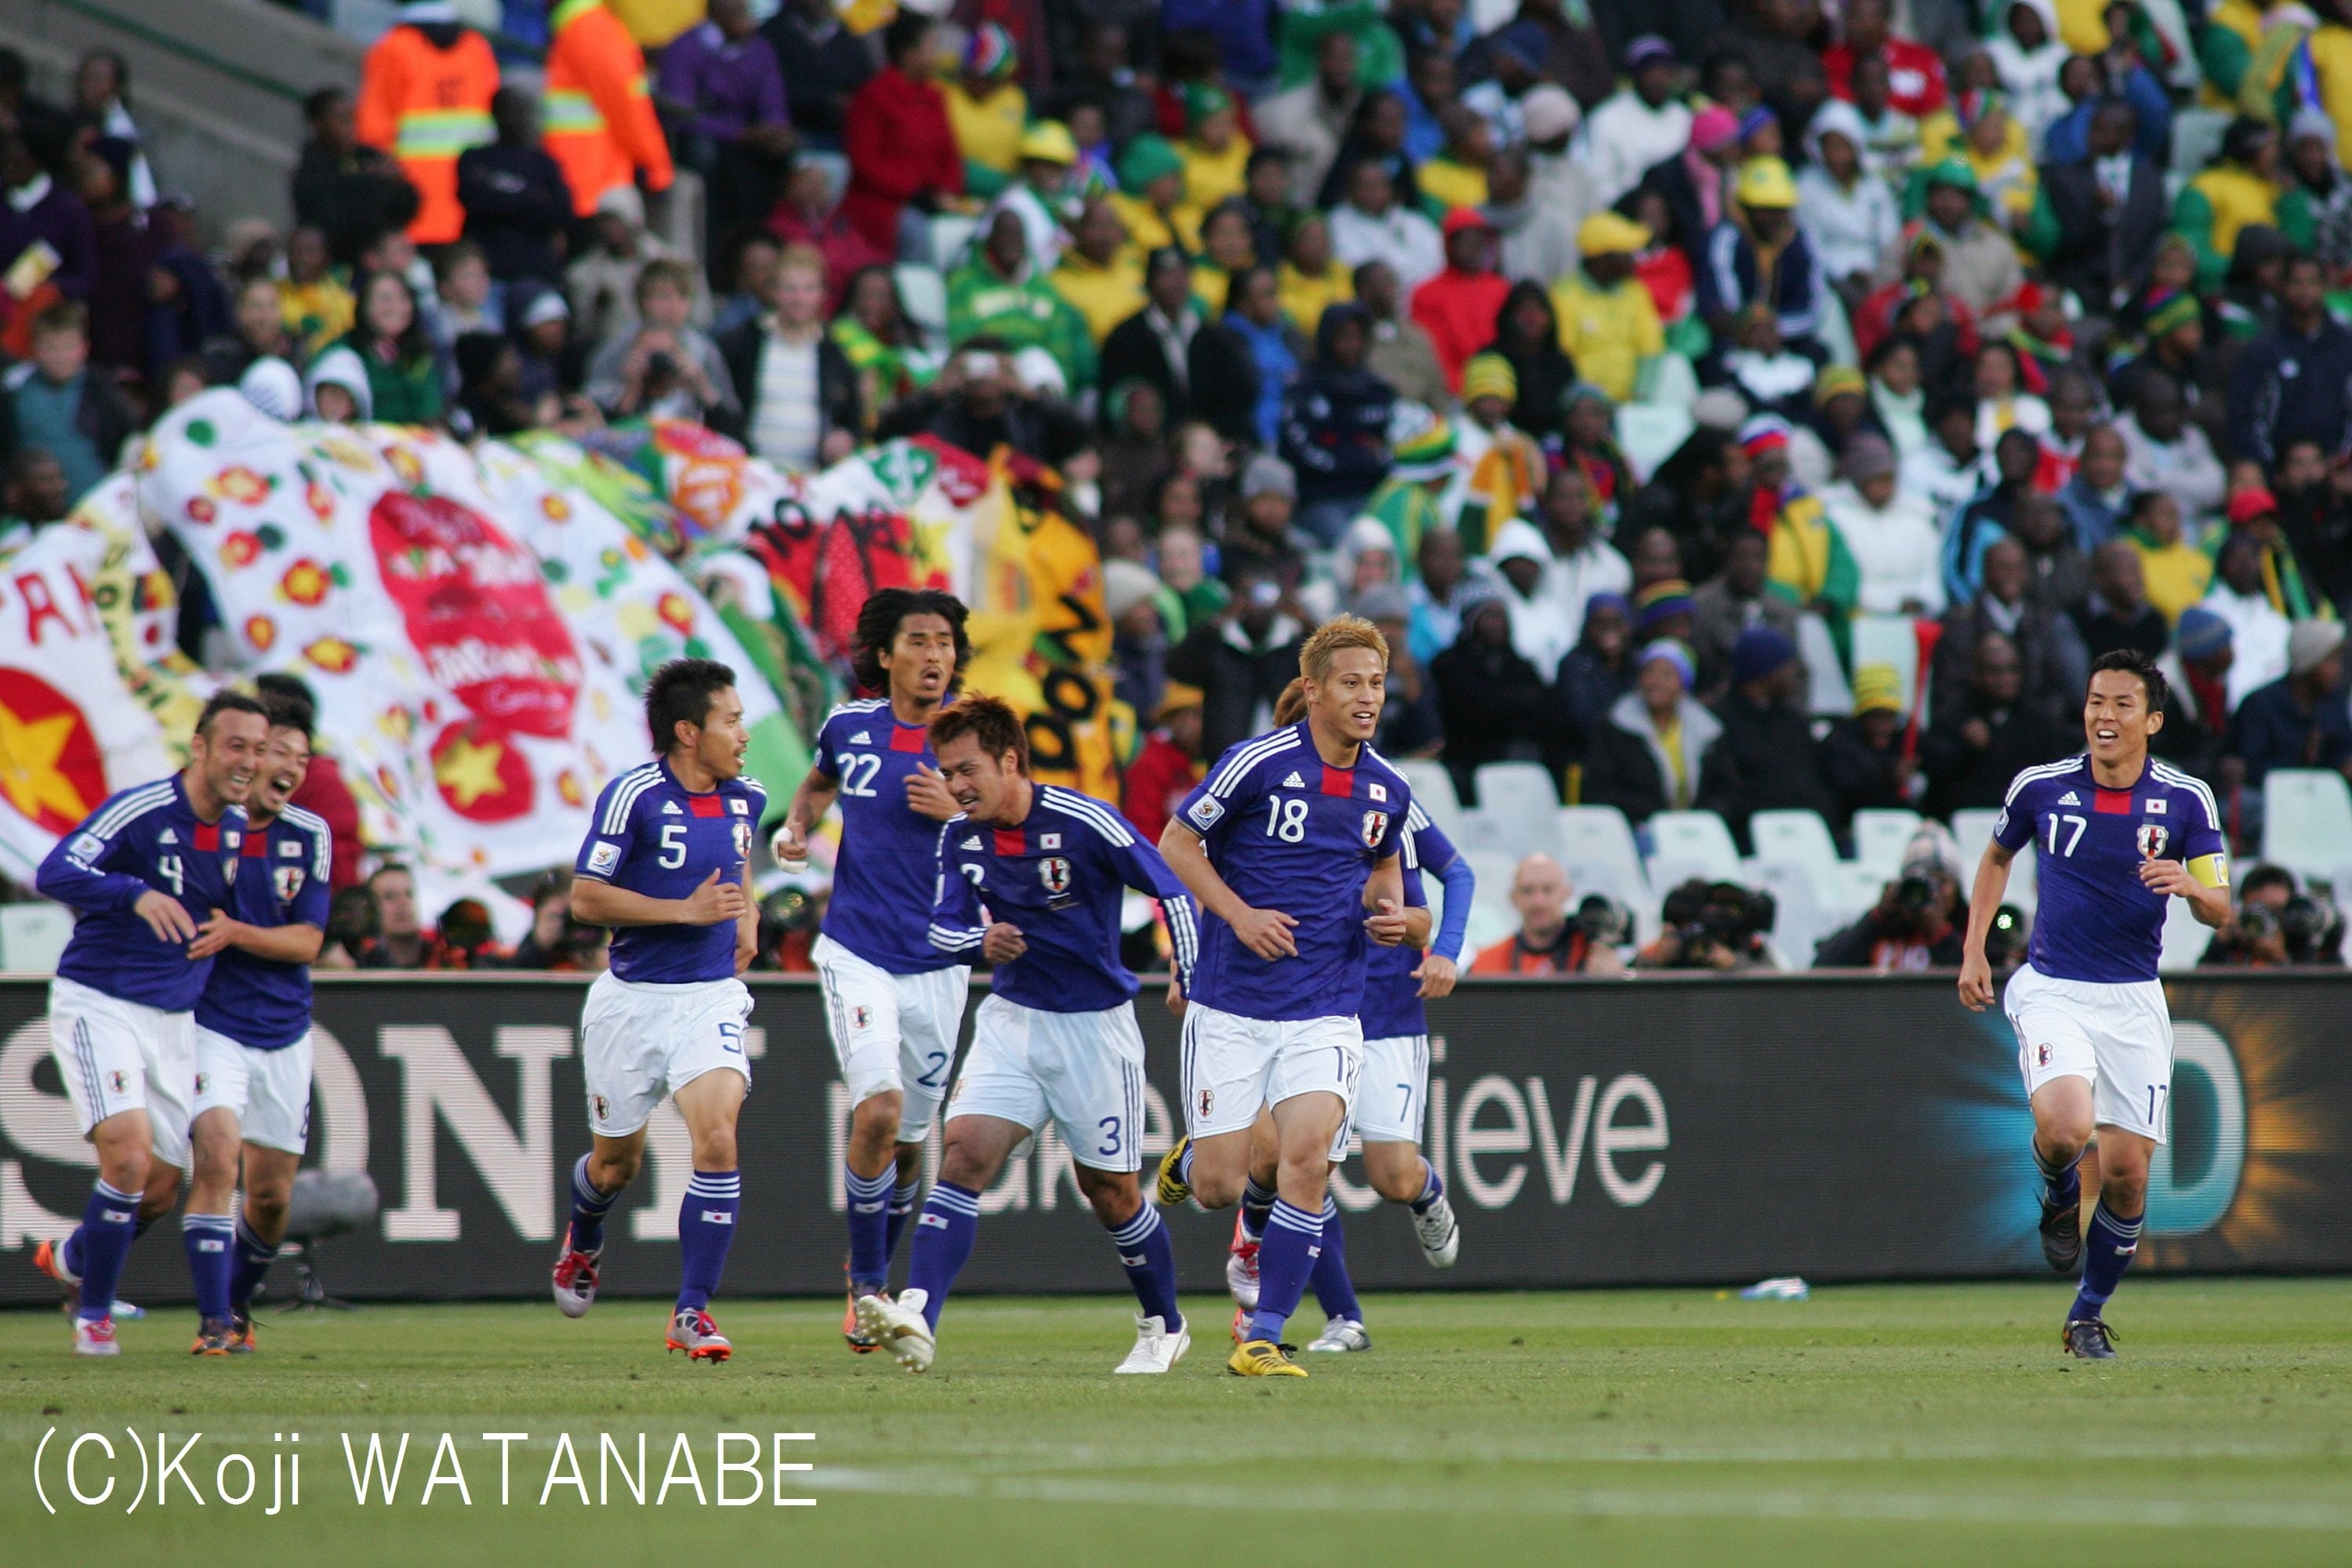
(424, 105)
(600, 122)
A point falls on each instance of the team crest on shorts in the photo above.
(1055, 872)
(1376, 823)
(118, 1080)
(1208, 1100)
(2042, 1056)
(2152, 840)
(859, 1018)
(603, 1111)
(203, 1081)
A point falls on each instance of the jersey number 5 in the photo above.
(2072, 826)
(673, 846)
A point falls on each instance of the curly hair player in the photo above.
(2117, 835)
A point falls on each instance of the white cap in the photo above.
(270, 385)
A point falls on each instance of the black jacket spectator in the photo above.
(353, 192)
(1496, 706)
(1972, 754)
(1590, 682)
(2105, 244)
(824, 64)
(2290, 382)
(2318, 521)
(1863, 763)
(1040, 428)
(1219, 382)
(2054, 668)
(837, 394)
(1621, 761)
(2289, 724)
(1766, 760)
(518, 209)
(1240, 672)
(1335, 418)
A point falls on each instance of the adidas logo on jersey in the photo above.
(970, 843)
(2070, 798)
(669, 808)
(1294, 781)
(167, 836)
(861, 739)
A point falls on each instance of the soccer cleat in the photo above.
(691, 1331)
(1241, 1324)
(95, 1336)
(240, 1339)
(1241, 1267)
(50, 1257)
(1441, 1238)
(1340, 1336)
(1263, 1358)
(575, 1280)
(899, 1327)
(1155, 1350)
(2088, 1338)
(1172, 1190)
(2061, 1237)
(860, 1343)
(212, 1335)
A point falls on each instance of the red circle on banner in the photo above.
(51, 768)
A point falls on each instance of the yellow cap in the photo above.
(1049, 142)
(1489, 375)
(1765, 183)
(1877, 687)
(1606, 233)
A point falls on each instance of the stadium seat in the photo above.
(1687, 844)
(1432, 786)
(2307, 821)
(1522, 795)
(1476, 829)
(1973, 828)
(1880, 835)
(1799, 838)
(2196, 137)
(1597, 847)
(1859, 888)
(924, 293)
(2184, 938)
(1799, 921)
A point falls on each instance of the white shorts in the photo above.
(1083, 1070)
(1235, 1067)
(118, 1055)
(1393, 1097)
(639, 1043)
(268, 1091)
(893, 1031)
(2118, 1036)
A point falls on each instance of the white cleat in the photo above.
(575, 1280)
(1155, 1350)
(1441, 1238)
(1241, 1267)
(1340, 1336)
(899, 1327)
(95, 1336)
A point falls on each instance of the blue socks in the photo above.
(211, 1241)
(1284, 1260)
(589, 1207)
(902, 1209)
(2061, 1185)
(706, 1225)
(869, 1230)
(2107, 1248)
(1148, 1256)
(254, 1257)
(1257, 1202)
(943, 1238)
(1432, 1188)
(1334, 1291)
(110, 1222)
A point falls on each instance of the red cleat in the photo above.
(691, 1331)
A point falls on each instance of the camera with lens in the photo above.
(2312, 929)
(1605, 921)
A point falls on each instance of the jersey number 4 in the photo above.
(2070, 825)
(168, 868)
(857, 771)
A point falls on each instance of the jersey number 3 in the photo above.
(2070, 825)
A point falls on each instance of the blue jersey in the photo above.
(1287, 832)
(144, 839)
(282, 881)
(887, 874)
(2096, 920)
(1393, 1005)
(1060, 877)
(652, 836)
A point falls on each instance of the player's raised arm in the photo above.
(1265, 932)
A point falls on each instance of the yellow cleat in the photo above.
(1174, 1190)
(1263, 1358)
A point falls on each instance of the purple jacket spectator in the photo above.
(1243, 29)
(723, 89)
(38, 208)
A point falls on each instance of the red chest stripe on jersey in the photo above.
(1011, 841)
(207, 835)
(909, 738)
(256, 847)
(2113, 802)
(1340, 782)
(706, 805)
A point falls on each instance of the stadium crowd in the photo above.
(1779, 411)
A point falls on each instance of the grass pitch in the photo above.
(1911, 1424)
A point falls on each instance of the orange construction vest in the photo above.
(426, 105)
(600, 121)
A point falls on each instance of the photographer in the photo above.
(1717, 926)
(1548, 942)
(1916, 925)
(979, 404)
(556, 942)
(2275, 925)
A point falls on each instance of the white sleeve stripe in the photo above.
(1416, 818)
(625, 797)
(131, 806)
(1251, 753)
(1091, 812)
(2196, 786)
(949, 940)
(2046, 770)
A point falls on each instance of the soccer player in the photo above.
(121, 1008)
(894, 1003)
(667, 865)
(1395, 1089)
(1305, 819)
(253, 1031)
(2117, 834)
(1055, 1039)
